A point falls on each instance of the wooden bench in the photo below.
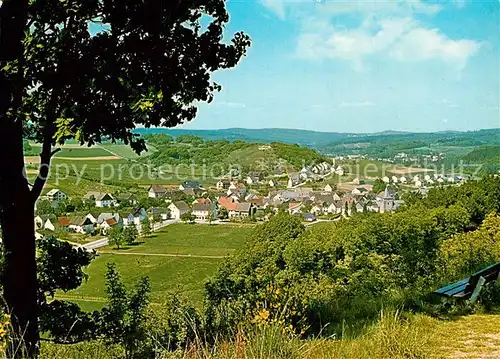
(470, 288)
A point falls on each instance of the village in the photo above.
(307, 194)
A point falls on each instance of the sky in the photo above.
(361, 66)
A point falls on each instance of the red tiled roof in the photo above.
(228, 203)
(111, 221)
(293, 204)
(203, 201)
(63, 221)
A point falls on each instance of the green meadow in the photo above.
(156, 257)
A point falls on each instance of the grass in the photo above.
(167, 274)
(197, 239)
(475, 336)
(72, 151)
(125, 151)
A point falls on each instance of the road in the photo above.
(103, 242)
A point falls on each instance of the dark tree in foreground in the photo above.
(149, 63)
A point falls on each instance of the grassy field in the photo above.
(203, 240)
(168, 274)
(125, 151)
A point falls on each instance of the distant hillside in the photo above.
(341, 143)
(223, 155)
(267, 135)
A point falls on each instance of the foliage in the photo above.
(465, 253)
(223, 213)
(345, 271)
(378, 186)
(123, 320)
(146, 227)
(479, 198)
(115, 236)
(130, 234)
(175, 325)
(296, 155)
(188, 217)
(60, 268)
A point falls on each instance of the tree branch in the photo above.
(43, 171)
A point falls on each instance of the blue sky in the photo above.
(361, 66)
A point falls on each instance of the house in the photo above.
(336, 207)
(309, 217)
(127, 218)
(223, 184)
(253, 178)
(127, 198)
(241, 210)
(294, 207)
(339, 171)
(102, 217)
(156, 191)
(178, 208)
(194, 185)
(203, 200)
(286, 196)
(47, 222)
(81, 224)
(108, 224)
(294, 180)
(385, 201)
(273, 183)
(234, 194)
(93, 216)
(101, 199)
(164, 213)
(359, 207)
(238, 187)
(317, 209)
(189, 192)
(63, 222)
(227, 203)
(202, 211)
(359, 191)
(55, 195)
(329, 188)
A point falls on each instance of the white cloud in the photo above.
(336, 7)
(357, 104)
(403, 39)
(276, 6)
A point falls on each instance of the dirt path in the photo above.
(97, 158)
(474, 336)
(162, 254)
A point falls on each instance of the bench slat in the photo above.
(465, 287)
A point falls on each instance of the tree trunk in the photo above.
(19, 278)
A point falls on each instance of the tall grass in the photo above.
(392, 336)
